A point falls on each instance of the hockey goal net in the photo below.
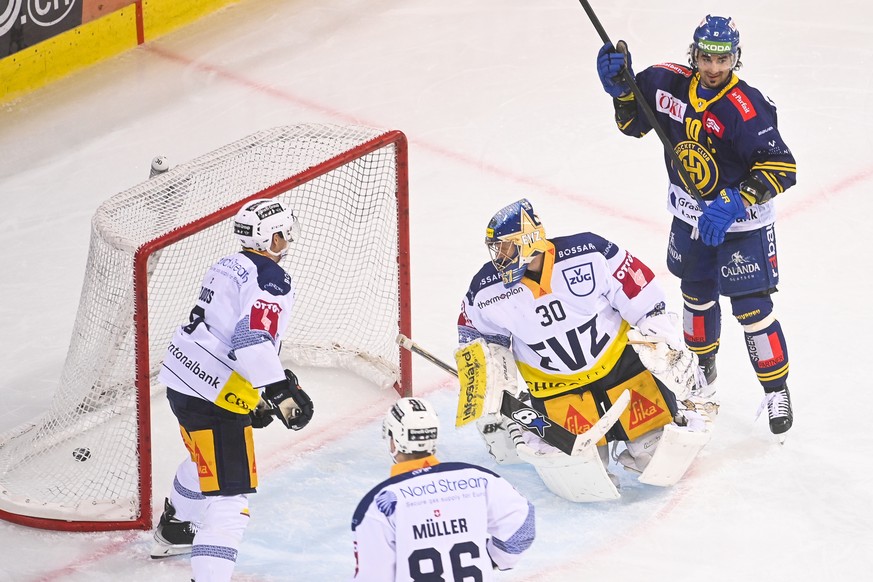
(86, 463)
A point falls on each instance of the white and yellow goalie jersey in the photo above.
(440, 521)
(231, 346)
(570, 328)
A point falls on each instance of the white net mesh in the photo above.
(79, 461)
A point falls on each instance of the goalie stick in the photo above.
(532, 420)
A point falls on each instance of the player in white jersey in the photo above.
(562, 310)
(432, 520)
(223, 378)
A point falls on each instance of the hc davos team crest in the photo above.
(580, 279)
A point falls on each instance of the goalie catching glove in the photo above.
(662, 351)
(286, 400)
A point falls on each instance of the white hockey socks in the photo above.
(213, 557)
(186, 497)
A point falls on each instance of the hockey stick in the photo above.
(650, 115)
(532, 420)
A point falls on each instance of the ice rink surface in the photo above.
(499, 100)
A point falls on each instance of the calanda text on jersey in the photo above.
(440, 521)
(570, 328)
(722, 141)
(230, 348)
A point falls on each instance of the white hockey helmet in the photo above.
(413, 424)
(258, 220)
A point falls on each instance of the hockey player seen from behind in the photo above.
(433, 520)
(224, 377)
(726, 135)
(561, 312)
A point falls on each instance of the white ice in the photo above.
(499, 99)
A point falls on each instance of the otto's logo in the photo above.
(633, 275)
(265, 317)
(43, 13)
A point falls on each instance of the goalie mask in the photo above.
(258, 220)
(413, 425)
(716, 35)
(515, 236)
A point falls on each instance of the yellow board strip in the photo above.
(95, 41)
(160, 17)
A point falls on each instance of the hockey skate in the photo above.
(778, 405)
(172, 536)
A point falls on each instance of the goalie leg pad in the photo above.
(581, 478)
(641, 451)
(501, 437)
(485, 371)
(677, 449)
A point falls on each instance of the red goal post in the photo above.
(86, 464)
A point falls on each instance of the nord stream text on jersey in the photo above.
(443, 486)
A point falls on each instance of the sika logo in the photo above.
(575, 422)
(43, 13)
(642, 410)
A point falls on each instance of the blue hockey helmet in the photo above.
(716, 35)
(515, 236)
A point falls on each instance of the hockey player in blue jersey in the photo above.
(433, 520)
(725, 133)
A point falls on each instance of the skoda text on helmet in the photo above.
(413, 424)
(515, 236)
(258, 220)
(716, 35)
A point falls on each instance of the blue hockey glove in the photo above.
(720, 215)
(611, 61)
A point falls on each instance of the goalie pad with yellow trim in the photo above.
(485, 371)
